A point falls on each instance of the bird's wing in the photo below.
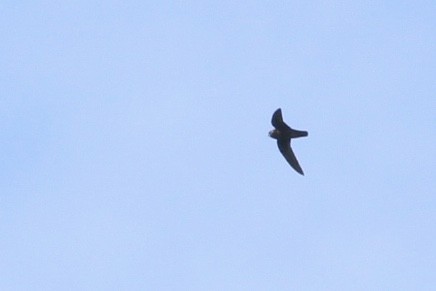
(277, 121)
(286, 150)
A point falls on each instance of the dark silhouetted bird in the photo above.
(283, 134)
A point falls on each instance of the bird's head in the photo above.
(274, 134)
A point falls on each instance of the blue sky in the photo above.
(135, 153)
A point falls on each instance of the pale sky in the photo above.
(136, 156)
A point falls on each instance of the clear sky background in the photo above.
(135, 152)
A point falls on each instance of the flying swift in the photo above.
(283, 134)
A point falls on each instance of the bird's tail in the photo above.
(299, 133)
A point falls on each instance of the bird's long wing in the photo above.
(277, 121)
(286, 150)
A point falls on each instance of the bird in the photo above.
(283, 134)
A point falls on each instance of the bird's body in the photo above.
(283, 134)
